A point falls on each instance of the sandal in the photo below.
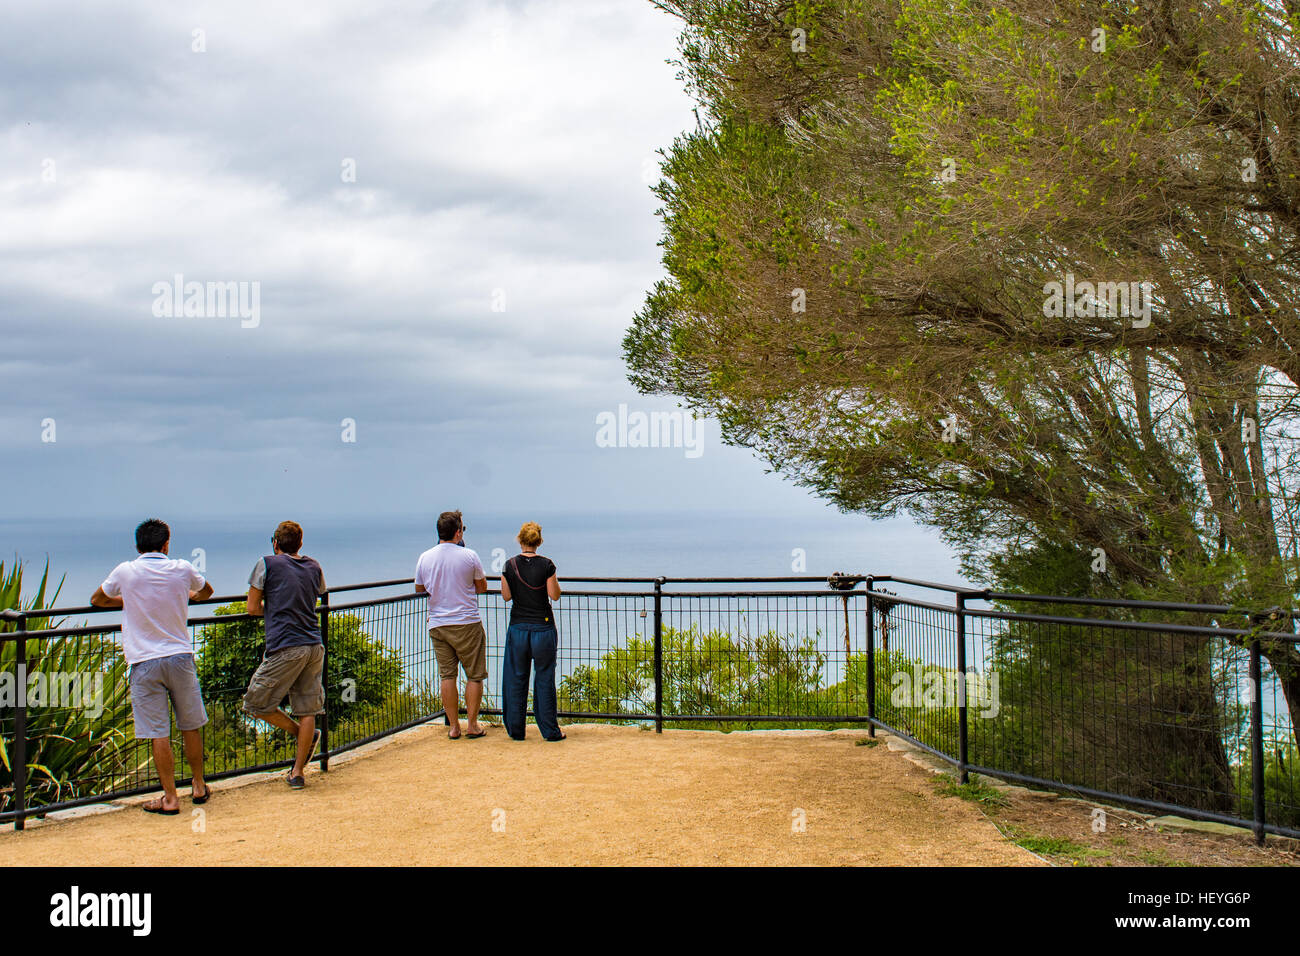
(207, 792)
(297, 783)
(159, 808)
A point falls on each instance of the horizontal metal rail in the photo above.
(14, 614)
(985, 594)
(1159, 627)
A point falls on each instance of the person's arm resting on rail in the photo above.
(100, 599)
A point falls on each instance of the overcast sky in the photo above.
(463, 301)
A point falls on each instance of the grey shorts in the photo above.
(153, 683)
(294, 672)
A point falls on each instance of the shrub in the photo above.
(363, 672)
(72, 751)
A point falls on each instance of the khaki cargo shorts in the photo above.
(294, 672)
(463, 643)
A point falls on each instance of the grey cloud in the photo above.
(498, 146)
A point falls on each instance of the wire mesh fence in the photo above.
(738, 656)
(604, 660)
(1158, 714)
(1164, 715)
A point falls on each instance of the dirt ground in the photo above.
(606, 796)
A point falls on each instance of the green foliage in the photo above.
(704, 673)
(11, 597)
(974, 791)
(899, 685)
(364, 673)
(1281, 784)
(75, 750)
(229, 652)
(1039, 567)
(1151, 714)
(1057, 846)
(1166, 447)
(78, 751)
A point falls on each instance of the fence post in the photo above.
(962, 753)
(325, 678)
(20, 729)
(1257, 742)
(871, 658)
(659, 655)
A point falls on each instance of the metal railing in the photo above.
(1159, 714)
(1163, 715)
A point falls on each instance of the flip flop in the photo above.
(297, 783)
(162, 810)
(207, 792)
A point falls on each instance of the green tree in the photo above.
(860, 244)
(703, 674)
(1149, 714)
(363, 672)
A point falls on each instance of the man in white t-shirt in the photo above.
(154, 592)
(452, 575)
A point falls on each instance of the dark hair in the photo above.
(151, 535)
(449, 522)
(288, 537)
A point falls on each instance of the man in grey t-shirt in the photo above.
(283, 589)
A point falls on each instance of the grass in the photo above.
(974, 791)
(866, 742)
(991, 798)
(1057, 846)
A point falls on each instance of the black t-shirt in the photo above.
(527, 576)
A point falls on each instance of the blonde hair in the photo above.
(530, 534)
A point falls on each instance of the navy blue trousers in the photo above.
(529, 643)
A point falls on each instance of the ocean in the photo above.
(351, 549)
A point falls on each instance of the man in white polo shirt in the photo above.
(452, 575)
(154, 592)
